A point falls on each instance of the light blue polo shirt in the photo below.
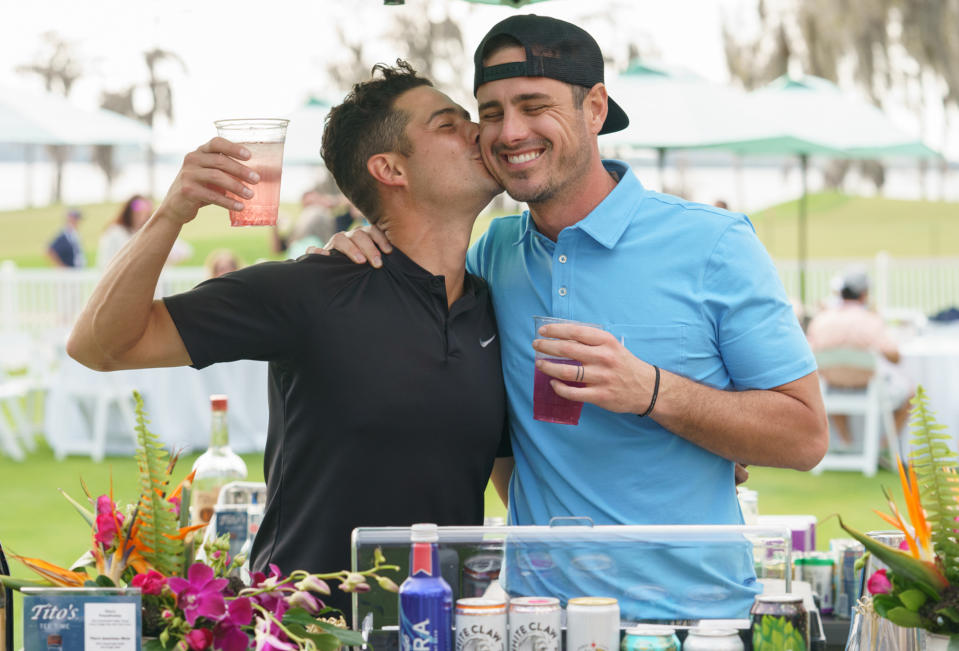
(685, 286)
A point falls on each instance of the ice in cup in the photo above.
(264, 138)
(547, 406)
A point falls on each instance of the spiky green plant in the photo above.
(936, 470)
(157, 525)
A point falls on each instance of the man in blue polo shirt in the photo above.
(700, 364)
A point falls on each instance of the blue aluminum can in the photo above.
(426, 600)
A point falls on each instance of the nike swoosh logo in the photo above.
(487, 342)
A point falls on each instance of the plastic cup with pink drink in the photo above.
(264, 137)
(547, 406)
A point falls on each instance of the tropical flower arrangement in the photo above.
(920, 588)
(190, 604)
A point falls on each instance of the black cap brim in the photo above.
(616, 118)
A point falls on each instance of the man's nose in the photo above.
(513, 127)
(472, 132)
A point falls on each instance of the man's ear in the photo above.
(595, 107)
(387, 169)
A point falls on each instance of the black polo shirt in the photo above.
(386, 407)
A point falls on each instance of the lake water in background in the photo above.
(754, 187)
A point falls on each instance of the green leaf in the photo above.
(153, 644)
(15, 583)
(104, 582)
(158, 523)
(935, 466)
(882, 603)
(949, 613)
(921, 573)
(87, 514)
(300, 617)
(902, 617)
(912, 599)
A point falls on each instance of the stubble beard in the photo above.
(561, 176)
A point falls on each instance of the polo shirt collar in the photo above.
(607, 222)
(405, 265)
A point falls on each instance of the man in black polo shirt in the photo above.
(409, 434)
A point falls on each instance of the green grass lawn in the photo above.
(842, 226)
(26, 233)
(838, 226)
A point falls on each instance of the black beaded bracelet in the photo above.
(652, 403)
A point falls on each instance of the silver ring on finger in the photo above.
(581, 373)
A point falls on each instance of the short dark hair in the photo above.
(366, 124)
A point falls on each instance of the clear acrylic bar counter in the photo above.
(678, 575)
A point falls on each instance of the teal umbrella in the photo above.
(814, 110)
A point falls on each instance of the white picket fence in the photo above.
(45, 302)
(41, 302)
(899, 285)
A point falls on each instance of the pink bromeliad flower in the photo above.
(200, 594)
(199, 639)
(879, 583)
(107, 521)
(150, 583)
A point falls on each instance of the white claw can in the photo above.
(592, 624)
(534, 624)
(704, 638)
(480, 624)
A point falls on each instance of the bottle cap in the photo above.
(218, 402)
(424, 532)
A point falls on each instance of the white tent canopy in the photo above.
(304, 134)
(31, 118)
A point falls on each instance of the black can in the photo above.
(779, 623)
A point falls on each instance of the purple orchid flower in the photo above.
(200, 594)
(268, 637)
(273, 599)
(227, 634)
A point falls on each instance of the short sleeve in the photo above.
(760, 339)
(253, 313)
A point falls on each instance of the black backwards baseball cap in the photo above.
(554, 49)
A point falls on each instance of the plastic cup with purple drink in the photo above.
(264, 138)
(547, 406)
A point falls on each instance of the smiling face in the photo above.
(533, 133)
(444, 164)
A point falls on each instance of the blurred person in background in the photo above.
(220, 262)
(313, 227)
(65, 249)
(133, 215)
(850, 323)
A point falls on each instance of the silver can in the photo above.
(478, 572)
(704, 638)
(534, 624)
(592, 624)
(480, 624)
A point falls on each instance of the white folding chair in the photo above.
(868, 401)
(79, 407)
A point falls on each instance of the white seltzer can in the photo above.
(480, 624)
(704, 638)
(534, 624)
(592, 624)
